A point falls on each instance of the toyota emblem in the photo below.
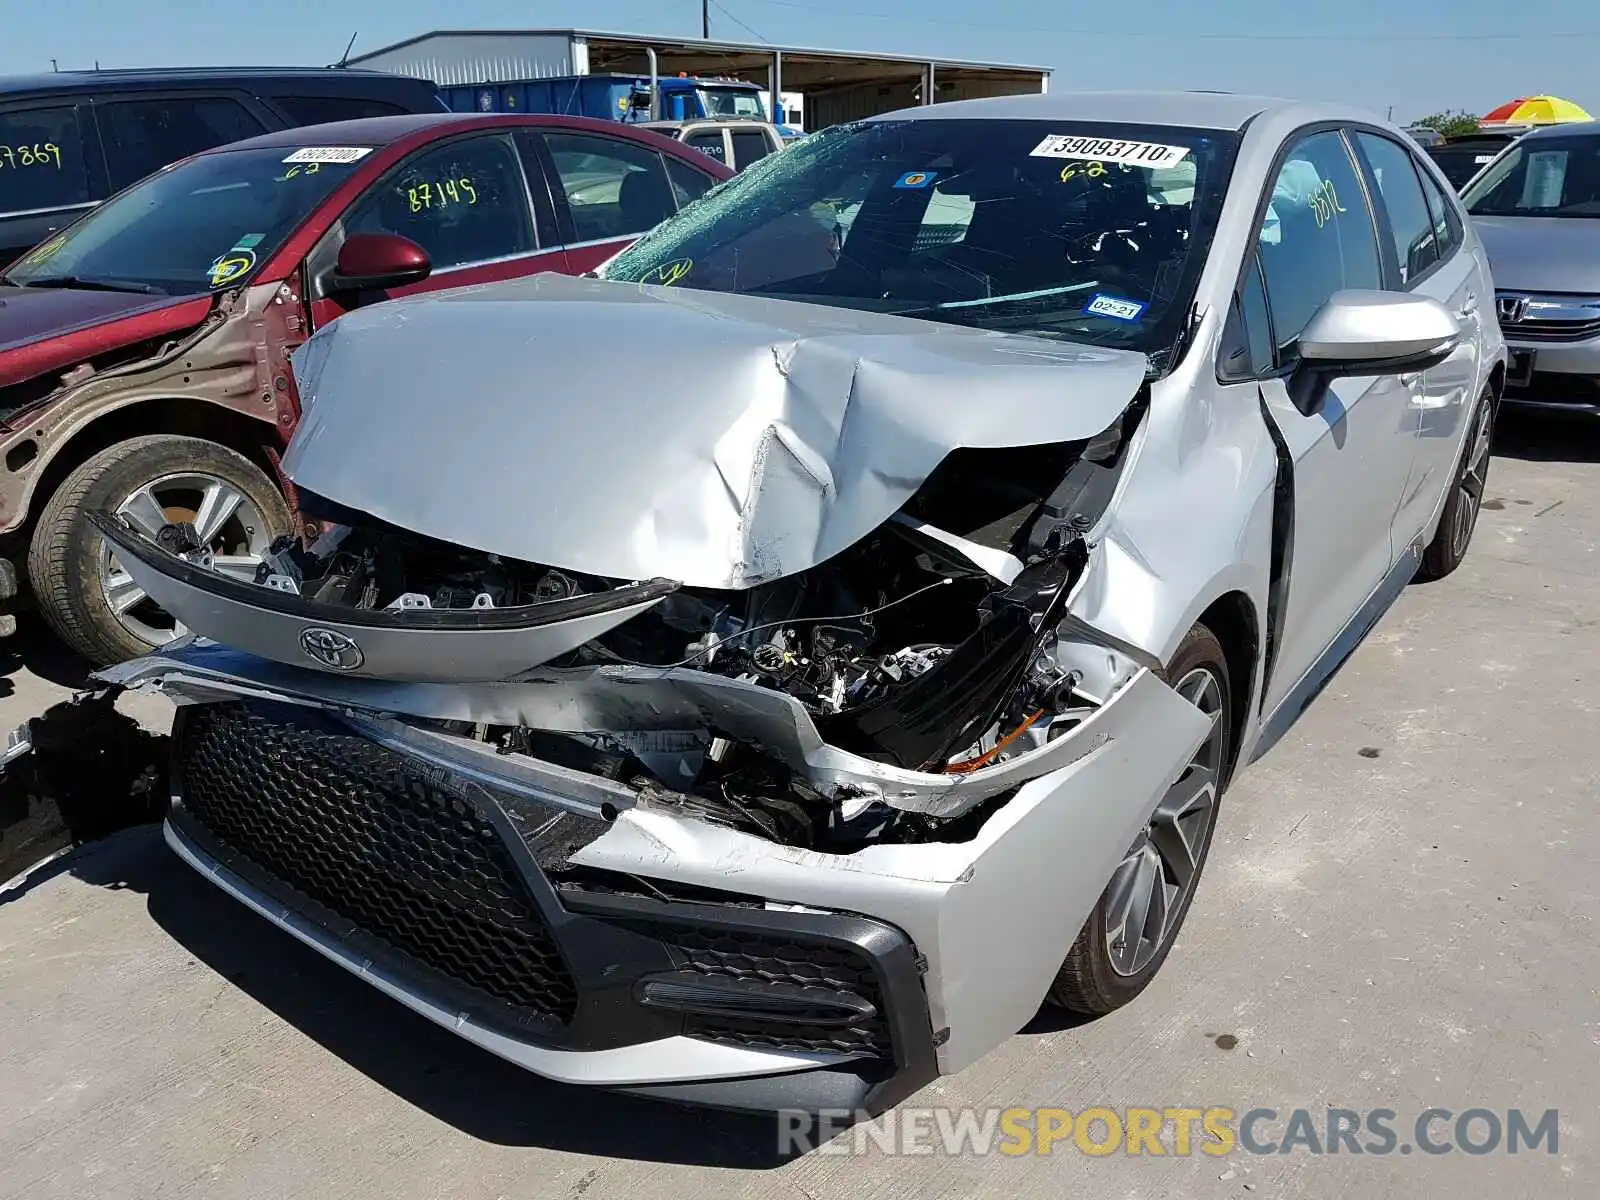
(332, 649)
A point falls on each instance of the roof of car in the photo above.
(1569, 129)
(1189, 110)
(155, 77)
(384, 131)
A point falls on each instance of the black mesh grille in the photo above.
(355, 828)
(776, 959)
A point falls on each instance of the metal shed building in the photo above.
(838, 85)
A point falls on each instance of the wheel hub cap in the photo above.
(225, 520)
(1147, 892)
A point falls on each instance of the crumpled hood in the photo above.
(638, 432)
(1542, 254)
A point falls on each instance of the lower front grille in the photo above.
(1580, 391)
(363, 833)
(786, 962)
(1550, 331)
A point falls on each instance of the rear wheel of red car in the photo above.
(1131, 930)
(83, 592)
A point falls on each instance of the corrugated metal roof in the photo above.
(414, 44)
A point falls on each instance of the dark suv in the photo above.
(68, 140)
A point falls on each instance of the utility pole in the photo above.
(705, 19)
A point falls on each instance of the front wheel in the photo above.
(1131, 930)
(80, 587)
(1461, 507)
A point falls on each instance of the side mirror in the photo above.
(375, 262)
(1369, 333)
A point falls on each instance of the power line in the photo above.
(1147, 35)
(735, 20)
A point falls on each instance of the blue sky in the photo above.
(1418, 57)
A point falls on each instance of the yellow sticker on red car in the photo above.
(235, 264)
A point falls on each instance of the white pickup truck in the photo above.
(736, 144)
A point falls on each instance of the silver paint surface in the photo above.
(580, 424)
(636, 432)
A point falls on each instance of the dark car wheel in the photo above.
(1460, 516)
(1131, 930)
(81, 589)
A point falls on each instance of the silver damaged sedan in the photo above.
(764, 674)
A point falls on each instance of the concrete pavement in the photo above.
(1400, 911)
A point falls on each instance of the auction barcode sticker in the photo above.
(1112, 150)
(329, 154)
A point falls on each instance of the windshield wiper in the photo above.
(93, 285)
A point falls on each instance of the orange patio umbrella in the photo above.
(1535, 110)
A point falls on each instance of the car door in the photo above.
(750, 146)
(50, 172)
(466, 201)
(1352, 456)
(1463, 286)
(713, 143)
(1421, 256)
(607, 191)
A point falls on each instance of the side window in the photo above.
(142, 136)
(42, 164)
(749, 147)
(1317, 237)
(1446, 224)
(463, 202)
(613, 188)
(687, 183)
(1247, 337)
(318, 110)
(1416, 244)
(708, 143)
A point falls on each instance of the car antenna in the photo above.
(348, 46)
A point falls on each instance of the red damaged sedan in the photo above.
(144, 351)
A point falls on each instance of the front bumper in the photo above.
(1564, 375)
(986, 920)
(431, 889)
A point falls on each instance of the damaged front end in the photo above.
(760, 837)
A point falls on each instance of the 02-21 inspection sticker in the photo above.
(1114, 306)
(1110, 150)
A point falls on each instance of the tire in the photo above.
(1460, 514)
(1095, 979)
(73, 577)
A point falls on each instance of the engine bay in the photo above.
(929, 646)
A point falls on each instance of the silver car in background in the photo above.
(1537, 208)
(787, 662)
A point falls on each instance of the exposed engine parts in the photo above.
(932, 646)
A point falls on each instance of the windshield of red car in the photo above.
(202, 225)
(1092, 233)
(1541, 177)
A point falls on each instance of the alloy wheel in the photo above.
(225, 520)
(1474, 478)
(1148, 892)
